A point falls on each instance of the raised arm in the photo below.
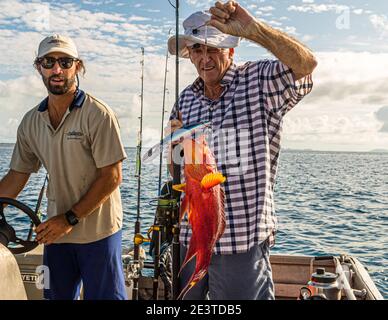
(233, 19)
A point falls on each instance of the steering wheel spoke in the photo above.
(24, 242)
(7, 232)
(24, 245)
(2, 216)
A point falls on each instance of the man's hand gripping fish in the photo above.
(204, 204)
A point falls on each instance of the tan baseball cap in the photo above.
(57, 43)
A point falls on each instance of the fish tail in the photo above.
(212, 179)
(194, 279)
(201, 266)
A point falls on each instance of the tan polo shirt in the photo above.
(87, 138)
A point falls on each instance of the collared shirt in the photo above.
(87, 138)
(245, 139)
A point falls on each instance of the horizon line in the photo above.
(376, 150)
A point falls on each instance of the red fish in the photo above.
(204, 204)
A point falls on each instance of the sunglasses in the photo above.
(49, 62)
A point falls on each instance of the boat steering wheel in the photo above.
(8, 233)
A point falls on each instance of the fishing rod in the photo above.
(136, 254)
(159, 221)
(176, 47)
(176, 172)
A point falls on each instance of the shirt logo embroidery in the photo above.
(74, 135)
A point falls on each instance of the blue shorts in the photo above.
(241, 276)
(97, 264)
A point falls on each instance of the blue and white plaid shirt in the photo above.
(245, 139)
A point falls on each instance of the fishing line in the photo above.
(209, 131)
(162, 125)
(205, 58)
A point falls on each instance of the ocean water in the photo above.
(326, 203)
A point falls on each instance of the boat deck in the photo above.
(290, 273)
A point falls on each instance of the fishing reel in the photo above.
(166, 217)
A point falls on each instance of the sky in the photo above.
(347, 109)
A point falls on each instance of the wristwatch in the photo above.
(71, 218)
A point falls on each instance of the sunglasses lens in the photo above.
(48, 62)
(65, 63)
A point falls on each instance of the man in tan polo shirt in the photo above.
(76, 138)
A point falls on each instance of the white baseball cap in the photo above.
(196, 31)
(57, 43)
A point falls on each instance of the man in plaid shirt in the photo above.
(245, 105)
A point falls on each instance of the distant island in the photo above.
(6, 144)
(379, 151)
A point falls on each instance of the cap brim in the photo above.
(225, 42)
(61, 50)
(183, 52)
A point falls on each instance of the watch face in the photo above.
(71, 218)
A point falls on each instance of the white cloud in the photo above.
(200, 3)
(380, 23)
(138, 18)
(340, 112)
(69, 19)
(267, 8)
(358, 11)
(317, 8)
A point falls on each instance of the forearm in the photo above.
(287, 49)
(98, 193)
(13, 183)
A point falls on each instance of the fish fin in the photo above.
(179, 187)
(212, 179)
